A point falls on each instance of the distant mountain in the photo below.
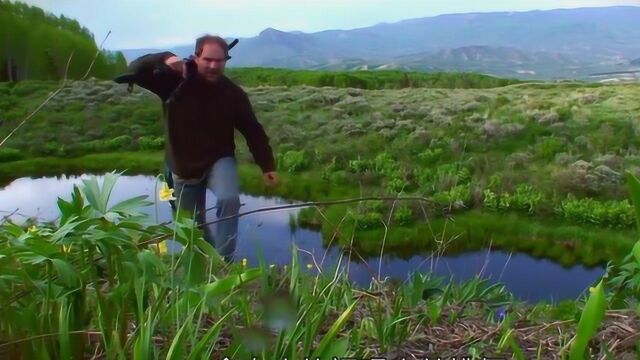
(533, 44)
(635, 62)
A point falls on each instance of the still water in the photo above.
(526, 277)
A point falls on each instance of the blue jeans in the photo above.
(222, 180)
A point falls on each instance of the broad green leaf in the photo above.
(91, 191)
(68, 274)
(67, 228)
(590, 320)
(77, 200)
(225, 285)
(66, 210)
(131, 204)
(636, 251)
(324, 347)
(111, 216)
(99, 197)
(107, 187)
(26, 255)
(634, 189)
(336, 349)
(149, 260)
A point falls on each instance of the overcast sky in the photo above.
(162, 23)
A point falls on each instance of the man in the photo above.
(200, 121)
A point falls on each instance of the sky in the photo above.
(165, 23)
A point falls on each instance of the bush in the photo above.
(294, 161)
(443, 178)
(396, 185)
(456, 197)
(430, 156)
(151, 143)
(385, 164)
(590, 211)
(10, 154)
(360, 165)
(402, 215)
(369, 220)
(548, 147)
(121, 142)
(524, 198)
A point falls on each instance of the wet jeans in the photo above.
(222, 180)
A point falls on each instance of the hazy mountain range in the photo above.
(564, 43)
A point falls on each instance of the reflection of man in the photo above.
(200, 123)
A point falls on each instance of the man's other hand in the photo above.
(271, 178)
(177, 65)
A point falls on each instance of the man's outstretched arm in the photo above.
(254, 133)
(161, 84)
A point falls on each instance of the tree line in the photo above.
(38, 45)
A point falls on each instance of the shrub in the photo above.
(548, 147)
(294, 161)
(360, 165)
(430, 156)
(590, 211)
(457, 197)
(119, 143)
(402, 215)
(151, 143)
(10, 154)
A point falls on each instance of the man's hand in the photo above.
(176, 64)
(271, 178)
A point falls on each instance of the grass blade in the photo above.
(65, 337)
(197, 351)
(323, 347)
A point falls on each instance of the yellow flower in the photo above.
(591, 289)
(162, 247)
(33, 229)
(309, 266)
(244, 262)
(66, 248)
(166, 193)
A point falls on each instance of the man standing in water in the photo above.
(200, 121)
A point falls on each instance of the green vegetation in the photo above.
(548, 151)
(101, 282)
(529, 167)
(38, 45)
(379, 79)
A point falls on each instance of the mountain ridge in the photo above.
(563, 43)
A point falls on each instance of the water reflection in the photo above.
(269, 233)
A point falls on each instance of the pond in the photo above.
(526, 277)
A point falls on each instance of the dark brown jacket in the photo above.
(200, 122)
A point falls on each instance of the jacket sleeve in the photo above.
(161, 84)
(255, 135)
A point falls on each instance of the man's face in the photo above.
(211, 62)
